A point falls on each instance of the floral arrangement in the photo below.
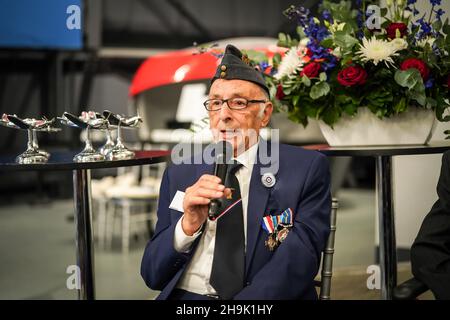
(360, 55)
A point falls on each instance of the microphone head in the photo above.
(223, 153)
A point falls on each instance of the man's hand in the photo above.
(196, 201)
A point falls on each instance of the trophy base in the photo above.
(89, 157)
(31, 157)
(44, 153)
(105, 149)
(120, 154)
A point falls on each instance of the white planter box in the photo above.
(413, 127)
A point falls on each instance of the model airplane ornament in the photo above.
(89, 120)
(33, 154)
(120, 151)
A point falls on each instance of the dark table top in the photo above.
(362, 151)
(63, 161)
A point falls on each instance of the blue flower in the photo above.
(436, 49)
(435, 2)
(439, 13)
(263, 65)
(425, 29)
(329, 64)
(429, 83)
(411, 2)
(327, 15)
(298, 14)
(359, 19)
(315, 31)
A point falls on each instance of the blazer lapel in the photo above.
(204, 169)
(257, 203)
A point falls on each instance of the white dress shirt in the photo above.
(197, 274)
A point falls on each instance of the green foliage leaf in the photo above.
(295, 100)
(446, 28)
(437, 25)
(327, 43)
(421, 98)
(347, 103)
(345, 40)
(300, 32)
(256, 56)
(276, 59)
(318, 90)
(400, 106)
(412, 80)
(340, 11)
(408, 78)
(345, 60)
(430, 102)
(330, 115)
(306, 81)
(378, 99)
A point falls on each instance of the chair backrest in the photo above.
(327, 256)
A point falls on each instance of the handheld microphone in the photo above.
(224, 151)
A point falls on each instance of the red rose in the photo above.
(351, 76)
(393, 27)
(417, 64)
(280, 94)
(311, 70)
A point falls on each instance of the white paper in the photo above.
(177, 201)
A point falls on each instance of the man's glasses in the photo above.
(232, 103)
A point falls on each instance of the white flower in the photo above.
(399, 44)
(303, 43)
(289, 64)
(407, 14)
(376, 51)
(336, 27)
(423, 42)
(337, 52)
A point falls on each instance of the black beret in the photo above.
(235, 65)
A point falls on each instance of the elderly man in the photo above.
(267, 241)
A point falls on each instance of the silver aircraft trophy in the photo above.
(88, 121)
(109, 144)
(120, 151)
(33, 154)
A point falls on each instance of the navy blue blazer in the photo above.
(302, 184)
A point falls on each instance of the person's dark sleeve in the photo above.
(161, 261)
(430, 252)
(292, 268)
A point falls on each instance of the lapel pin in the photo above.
(268, 180)
(230, 196)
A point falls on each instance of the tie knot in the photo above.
(234, 166)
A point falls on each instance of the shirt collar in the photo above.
(248, 157)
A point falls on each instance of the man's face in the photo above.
(239, 127)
